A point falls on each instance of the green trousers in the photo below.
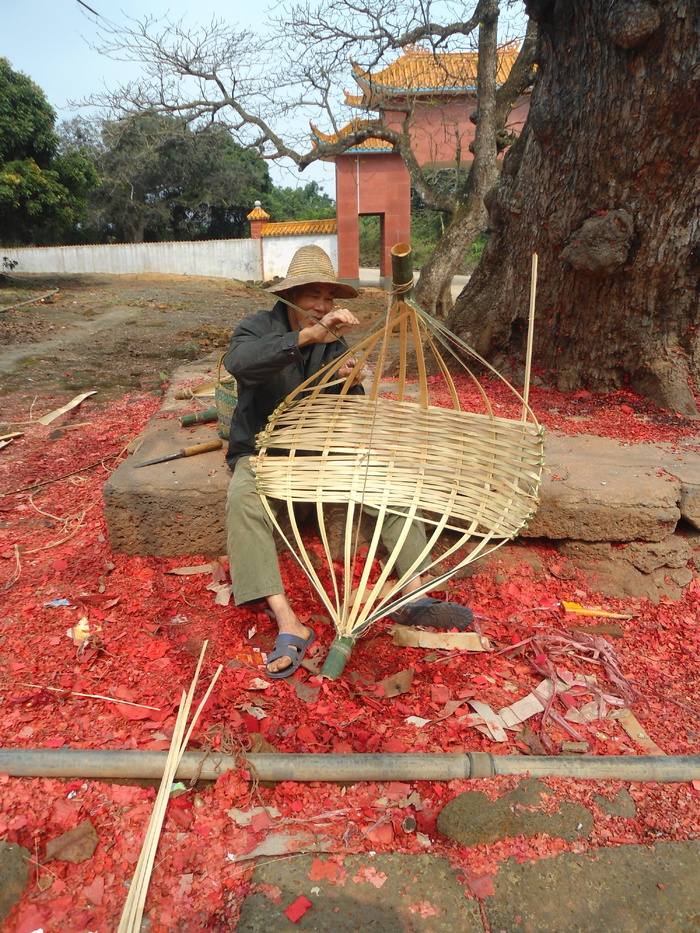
(251, 546)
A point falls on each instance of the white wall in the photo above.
(235, 259)
(278, 251)
(248, 260)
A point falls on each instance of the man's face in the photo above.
(315, 300)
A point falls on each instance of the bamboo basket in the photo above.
(473, 473)
(226, 398)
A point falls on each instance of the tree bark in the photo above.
(604, 184)
(434, 292)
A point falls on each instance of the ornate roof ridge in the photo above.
(300, 227)
(371, 144)
(422, 70)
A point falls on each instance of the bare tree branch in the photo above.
(265, 89)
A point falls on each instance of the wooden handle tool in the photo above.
(184, 452)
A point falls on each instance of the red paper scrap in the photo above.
(297, 908)
(482, 886)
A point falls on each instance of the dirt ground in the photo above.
(119, 333)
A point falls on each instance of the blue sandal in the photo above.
(289, 646)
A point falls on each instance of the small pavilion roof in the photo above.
(423, 71)
(258, 213)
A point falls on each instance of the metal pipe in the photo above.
(90, 763)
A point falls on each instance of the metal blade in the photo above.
(158, 460)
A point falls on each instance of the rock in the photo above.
(471, 819)
(650, 556)
(175, 508)
(585, 550)
(528, 793)
(670, 581)
(623, 804)
(14, 875)
(621, 580)
(595, 489)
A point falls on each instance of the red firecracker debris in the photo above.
(297, 908)
(123, 692)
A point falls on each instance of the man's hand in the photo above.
(331, 326)
(347, 368)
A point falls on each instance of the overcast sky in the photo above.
(49, 41)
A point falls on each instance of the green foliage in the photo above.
(26, 119)
(370, 240)
(42, 193)
(307, 203)
(426, 229)
(428, 226)
(161, 181)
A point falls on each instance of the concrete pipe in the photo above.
(89, 763)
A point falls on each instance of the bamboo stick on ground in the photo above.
(135, 902)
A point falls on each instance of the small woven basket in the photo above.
(226, 397)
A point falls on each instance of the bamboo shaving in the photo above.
(133, 908)
(52, 415)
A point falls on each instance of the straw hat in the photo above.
(312, 265)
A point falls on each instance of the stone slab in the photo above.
(381, 893)
(14, 875)
(594, 489)
(628, 888)
(598, 489)
(176, 508)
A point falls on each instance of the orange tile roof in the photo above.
(424, 71)
(300, 227)
(258, 213)
(371, 144)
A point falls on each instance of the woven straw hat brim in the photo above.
(340, 289)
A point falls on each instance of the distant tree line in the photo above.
(128, 181)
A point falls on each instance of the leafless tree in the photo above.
(265, 88)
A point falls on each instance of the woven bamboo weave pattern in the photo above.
(405, 448)
(473, 468)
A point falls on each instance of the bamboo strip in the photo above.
(133, 908)
(131, 916)
(530, 335)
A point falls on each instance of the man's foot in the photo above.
(288, 653)
(434, 613)
(288, 624)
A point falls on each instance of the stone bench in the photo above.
(596, 493)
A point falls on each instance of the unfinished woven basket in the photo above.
(400, 451)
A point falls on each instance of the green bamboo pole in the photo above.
(200, 417)
(337, 657)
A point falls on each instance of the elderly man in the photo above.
(271, 353)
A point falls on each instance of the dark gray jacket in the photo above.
(268, 364)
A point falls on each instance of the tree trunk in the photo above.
(604, 185)
(433, 291)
